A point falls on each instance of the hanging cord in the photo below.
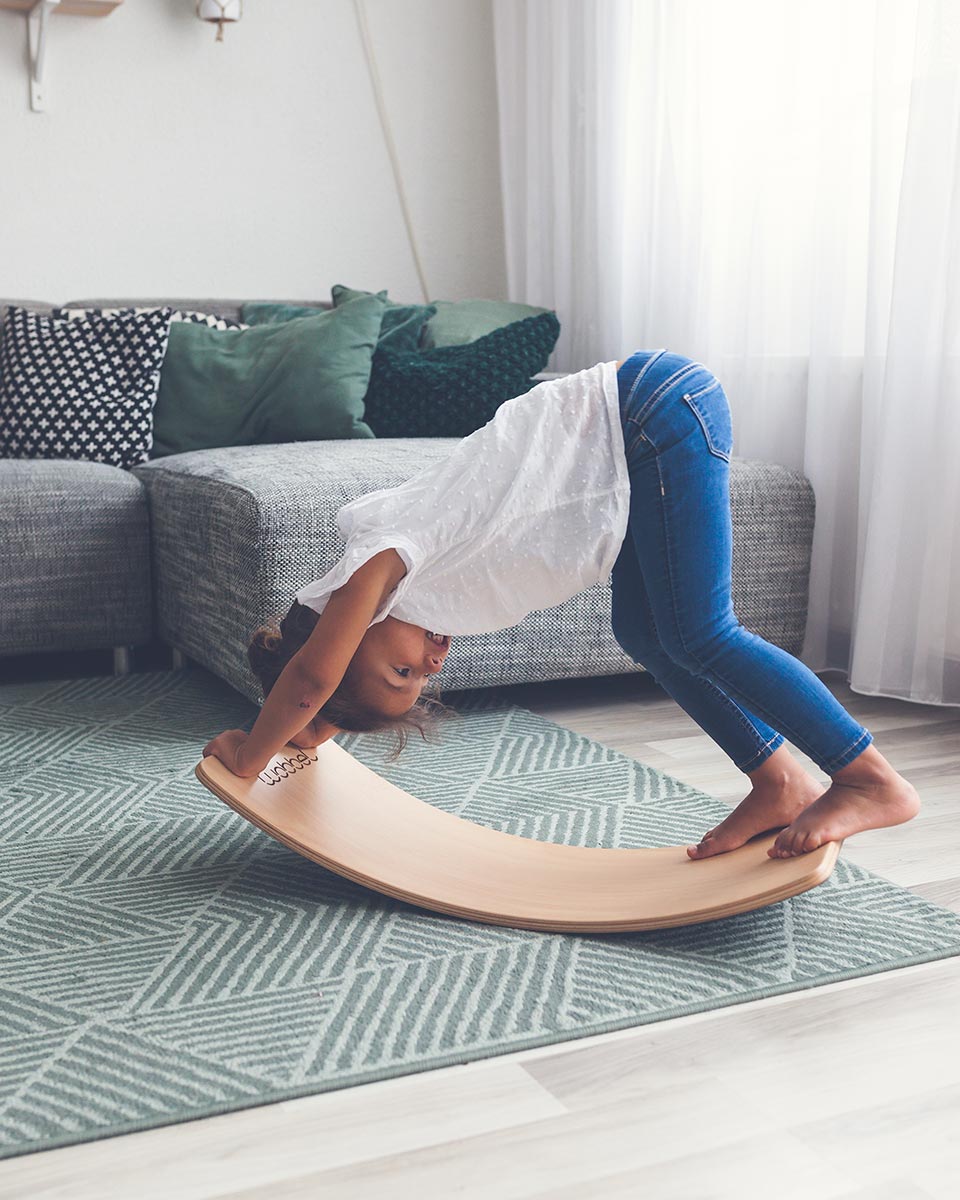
(360, 10)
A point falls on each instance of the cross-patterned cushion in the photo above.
(82, 388)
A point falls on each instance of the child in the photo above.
(620, 470)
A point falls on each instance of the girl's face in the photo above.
(394, 660)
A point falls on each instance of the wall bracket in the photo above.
(38, 20)
(38, 13)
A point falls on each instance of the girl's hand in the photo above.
(228, 747)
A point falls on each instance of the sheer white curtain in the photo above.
(772, 189)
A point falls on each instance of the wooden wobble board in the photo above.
(329, 807)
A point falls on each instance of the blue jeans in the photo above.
(672, 606)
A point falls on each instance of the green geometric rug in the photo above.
(162, 960)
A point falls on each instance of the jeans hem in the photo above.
(762, 754)
(851, 752)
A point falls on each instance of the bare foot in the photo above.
(846, 808)
(771, 805)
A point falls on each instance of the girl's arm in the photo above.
(313, 674)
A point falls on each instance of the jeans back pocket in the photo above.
(712, 409)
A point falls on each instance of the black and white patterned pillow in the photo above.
(80, 389)
(211, 320)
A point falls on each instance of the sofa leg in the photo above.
(179, 658)
(121, 660)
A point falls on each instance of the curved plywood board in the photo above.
(326, 805)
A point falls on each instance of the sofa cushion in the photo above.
(236, 532)
(403, 324)
(74, 557)
(300, 380)
(80, 389)
(445, 322)
(37, 306)
(460, 321)
(453, 390)
(223, 308)
(400, 324)
(211, 320)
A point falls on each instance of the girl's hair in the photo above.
(271, 648)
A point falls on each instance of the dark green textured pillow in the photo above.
(302, 380)
(452, 390)
(402, 324)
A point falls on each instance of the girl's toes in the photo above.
(797, 844)
(704, 844)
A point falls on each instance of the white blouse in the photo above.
(524, 513)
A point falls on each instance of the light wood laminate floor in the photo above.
(846, 1091)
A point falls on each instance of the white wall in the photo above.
(168, 164)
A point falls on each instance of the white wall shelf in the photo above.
(38, 13)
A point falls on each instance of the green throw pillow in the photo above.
(439, 323)
(399, 328)
(402, 323)
(268, 312)
(302, 380)
(452, 390)
(460, 321)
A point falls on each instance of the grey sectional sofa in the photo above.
(197, 549)
(74, 558)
